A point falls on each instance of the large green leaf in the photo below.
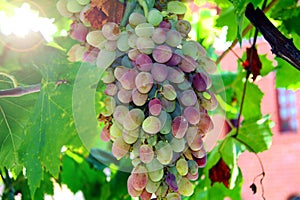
(52, 125)
(287, 76)
(257, 135)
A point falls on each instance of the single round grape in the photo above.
(188, 64)
(115, 130)
(194, 139)
(105, 58)
(169, 92)
(178, 145)
(193, 167)
(200, 81)
(124, 96)
(205, 125)
(130, 137)
(61, 6)
(162, 53)
(105, 134)
(76, 52)
(133, 119)
(145, 195)
(175, 75)
(110, 105)
(165, 24)
(185, 85)
(208, 100)
(139, 177)
(74, 7)
(171, 181)
(120, 71)
(167, 105)
(200, 157)
(145, 45)
(133, 53)
(111, 31)
(144, 30)
(108, 76)
(154, 17)
(164, 152)
(159, 72)
(111, 89)
(120, 113)
(185, 187)
(152, 140)
(96, 39)
(188, 98)
(143, 62)
(138, 98)
(179, 127)
(155, 170)
(192, 177)
(151, 186)
(189, 48)
(132, 38)
(146, 153)
(151, 125)
(110, 45)
(131, 190)
(155, 107)
(173, 38)
(78, 31)
(166, 121)
(192, 115)
(122, 42)
(182, 166)
(207, 64)
(174, 60)
(176, 7)
(183, 27)
(120, 148)
(173, 196)
(136, 19)
(159, 35)
(144, 82)
(128, 79)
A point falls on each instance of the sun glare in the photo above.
(26, 20)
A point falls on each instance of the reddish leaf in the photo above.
(220, 173)
(252, 62)
(103, 11)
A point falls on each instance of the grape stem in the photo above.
(144, 5)
(20, 91)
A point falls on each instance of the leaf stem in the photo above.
(20, 91)
(144, 5)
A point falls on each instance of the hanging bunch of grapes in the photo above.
(157, 93)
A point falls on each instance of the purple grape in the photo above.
(155, 106)
(162, 53)
(175, 60)
(165, 24)
(143, 62)
(78, 31)
(200, 81)
(171, 181)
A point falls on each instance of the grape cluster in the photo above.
(157, 98)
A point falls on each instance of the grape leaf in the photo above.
(287, 76)
(14, 114)
(52, 124)
(256, 134)
(220, 173)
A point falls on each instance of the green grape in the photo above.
(178, 145)
(164, 152)
(151, 186)
(146, 153)
(166, 122)
(61, 6)
(122, 42)
(185, 187)
(173, 196)
(133, 119)
(189, 48)
(136, 19)
(176, 7)
(154, 17)
(155, 170)
(169, 92)
(151, 125)
(108, 76)
(182, 166)
(144, 30)
(115, 130)
(83, 2)
(130, 137)
(74, 6)
(110, 105)
(105, 58)
(96, 39)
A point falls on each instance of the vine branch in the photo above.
(20, 91)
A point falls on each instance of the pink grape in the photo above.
(144, 82)
(120, 71)
(192, 115)
(111, 89)
(111, 31)
(179, 127)
(146, 153)
(194, 139)
(175, 75)
(120, 113)
(133, 53)
(192, 177)
(138, 98)
(145, 45)
(128, 79)
(139, 177)
(188, 64)
(124, 96)
(105, 135)
(78, 31)
(205, 124)
(175, 60)
(162, 53)
(131, 190)
(159, 35)
(165, 24)
(120, 148)
(159, 72)
(143, 62)
(183, 27)
(188, 98)
(90, 55)
(155, 106)
(146, 195)
(173, 38)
